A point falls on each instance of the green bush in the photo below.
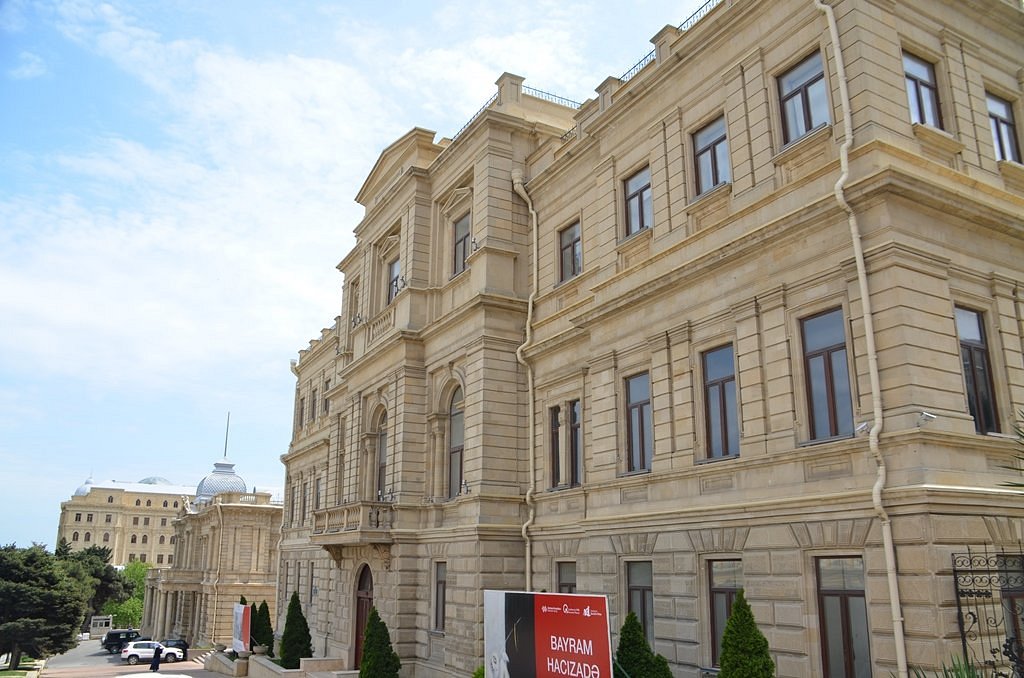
(634, 657)
(262, 629)
(379, 659)
(296, 642)
(479, 673)
(744, 648)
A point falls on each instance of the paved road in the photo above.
(89, 660)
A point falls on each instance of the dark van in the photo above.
(115, 639)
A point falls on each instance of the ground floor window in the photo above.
(843, 616)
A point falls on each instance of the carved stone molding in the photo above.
(851, 532)
(718, 539)
(561, 548)
(641, 543)
(1003, 531)
(383, 553)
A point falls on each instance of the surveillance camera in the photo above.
(863, 426)
(928, 416)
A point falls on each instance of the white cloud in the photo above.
(29, 66)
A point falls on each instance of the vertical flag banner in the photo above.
(240, 627)
(546, 635)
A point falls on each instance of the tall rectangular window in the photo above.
(300, 413)
(555, 437)
(382, 456)
(575, 443)
(108, 518)
(440, 595)
(1004, 131)
(305, 502)
(711, 155)
(639, 436)
(88, 517)
(725, 579)
(567, 577)
(922, 91)
(827, 375)
(460, 249)
(803, 98)
(312, 587)
(640, 593)
(312, 410)
(327, 402)
(844, 618)
(394, 276)
(456, 443)
(977, 371)
(318, 488)
(720, 403)
(570, 248)
(639, 208)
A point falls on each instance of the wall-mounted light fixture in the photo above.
(474, 245)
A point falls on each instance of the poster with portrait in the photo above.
(240, 627)
(546, 635)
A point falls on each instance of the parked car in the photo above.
(115, 639)
(176, 642)
(142, 650)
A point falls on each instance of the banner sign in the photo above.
(546, 635)
(240, 627)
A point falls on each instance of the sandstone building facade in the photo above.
(751, 317)
(133, 520)
(226, 547)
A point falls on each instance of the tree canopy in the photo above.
(127, 611)
(42, 606)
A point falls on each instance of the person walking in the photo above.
(155, 664)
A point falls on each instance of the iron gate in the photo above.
(990, 610)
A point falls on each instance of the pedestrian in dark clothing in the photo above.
(155, 664)
(184, 650)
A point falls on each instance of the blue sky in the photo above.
(177, 184)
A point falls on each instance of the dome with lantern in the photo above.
(222, 479)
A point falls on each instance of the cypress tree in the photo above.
(263, 630)
(296, 642)
(254, 617)
(379, 659)
(744, 648)
(634, 657)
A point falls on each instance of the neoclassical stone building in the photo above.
(133, 520)
(226, 547)
(751, 317)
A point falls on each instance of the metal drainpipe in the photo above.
(216, 582)
(869, 335)
(520, 189)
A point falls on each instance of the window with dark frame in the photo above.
(922, 91)
(108, 518)
(555, 436)
(78, 517)
(88, 517)
(317, 491)
(575, 443)
(639, 208)
(570, 248)
(88, 536)
(460, 249)
(639, 438)
(382, 456)
(74, 536)
(720, 403)
(974, 356)
(327, 401)
(640, 594)
(106, 537)
(725, 579)
(566, 577)
(142, 558)
(827, 375)
(394, 275)
(803, 98)
(844, 620)
(1004, 131)
(135, 520)
(456, 443)
(440, 595)
(312, 409)
(300, 413)
(711, 156)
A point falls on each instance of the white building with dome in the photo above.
(132, 519)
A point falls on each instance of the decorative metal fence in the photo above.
(990, 610)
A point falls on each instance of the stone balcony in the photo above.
(356, 523)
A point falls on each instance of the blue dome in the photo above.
(84, 489)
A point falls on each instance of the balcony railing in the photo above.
(361, 522)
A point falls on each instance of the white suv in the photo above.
(142, 650)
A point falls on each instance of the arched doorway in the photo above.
(364, 601)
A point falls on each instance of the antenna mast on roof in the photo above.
(226, 429)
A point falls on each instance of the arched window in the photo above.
(145, 539)
(149, 502)
(110, 500)
(88, 536)
(165, 503)
(175, 504)
(135, 539)
(138, 502)
(74, 536)
(382, 455)
(106, 537)
(161, 539)
(456, 437)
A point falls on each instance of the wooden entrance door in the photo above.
(364, 601)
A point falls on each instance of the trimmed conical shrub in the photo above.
(263, 629)
(634, 657)
(379, 659)
(296, 642)
(744, 648)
